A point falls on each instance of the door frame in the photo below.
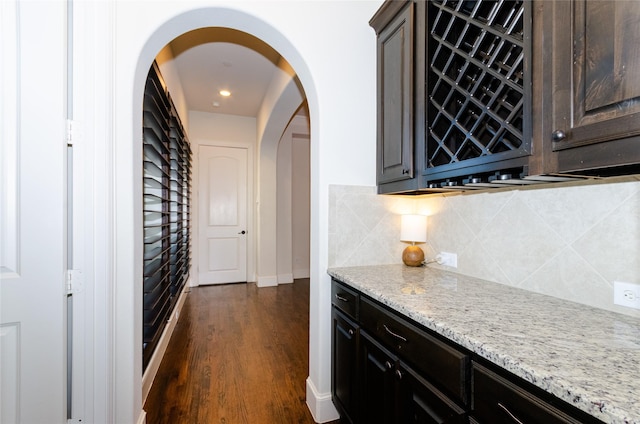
(251, 207)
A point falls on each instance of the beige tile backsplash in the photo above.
(567, 242)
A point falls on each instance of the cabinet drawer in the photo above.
(440, 363)
(496, 400)
(344, 298)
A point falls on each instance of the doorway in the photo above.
(222, 214)
(127, 294)
(225, 210)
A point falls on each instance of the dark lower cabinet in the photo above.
(422, 403)
(499, 400)
(392, 392)
(372, 379)
(378, 383)
(387, 369)
(345, 366)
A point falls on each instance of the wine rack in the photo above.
(478, 87)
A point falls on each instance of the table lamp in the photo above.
(413, 229)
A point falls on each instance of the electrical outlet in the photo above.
(626, 294)
(448, 259)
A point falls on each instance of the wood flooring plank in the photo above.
(238, 355)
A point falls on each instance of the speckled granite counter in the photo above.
(586, 356)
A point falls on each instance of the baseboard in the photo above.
(154, 363)
(301, 273)
(320, 404)
(285, 278)
(142, 418)
(268, 281)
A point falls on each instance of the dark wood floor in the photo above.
(239, 354)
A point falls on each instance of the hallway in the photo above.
(239, 354)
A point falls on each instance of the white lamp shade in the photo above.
(413, 228)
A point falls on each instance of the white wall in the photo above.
(300, 188)
(332, 49)
(284, 210)
(293, 186)
(171, 77)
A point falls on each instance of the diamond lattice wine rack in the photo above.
(478, 90)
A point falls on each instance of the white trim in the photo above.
(320, 404)
(267, 281)
(9, 136)
(156, 359)
(142, 418)
(285, 278)
(301, 273)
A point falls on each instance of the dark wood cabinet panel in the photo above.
(595, 76)
(395, 54)
(498, 400)
(422, 403)
(444, 366)
(345, 299)
(345, 367)
(406, 373)
(482, 92)
(378, 383)
(478, 87)
(402, 376)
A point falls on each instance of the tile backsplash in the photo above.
(567, 242)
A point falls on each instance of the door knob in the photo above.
(242, 232)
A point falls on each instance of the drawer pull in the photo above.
(388, 365)
(344, 299)
(396, 335)
(513, 417)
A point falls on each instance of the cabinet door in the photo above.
(377, 383)
(595, 83)
(422, 403)
(395, 99)
(345, 367)
(499, 401)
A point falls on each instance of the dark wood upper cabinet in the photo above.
(594, 86)
(473, 93)
(395, 67)
(478, 82)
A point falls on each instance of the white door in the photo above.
(32, 217)
(222, 189)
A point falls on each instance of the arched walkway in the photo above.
(202, 18)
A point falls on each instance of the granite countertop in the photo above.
(586, 356)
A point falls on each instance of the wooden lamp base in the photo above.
(413, 256)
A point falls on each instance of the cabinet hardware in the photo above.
(388, 365)
(505, 409)
(558, 135)
(344, 299)
(242, 232)
(351, 332)
(396, 335)
(405, 171)
(399, 374)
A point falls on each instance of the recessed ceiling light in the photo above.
(225, 93)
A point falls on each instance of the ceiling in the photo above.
(211, 59)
